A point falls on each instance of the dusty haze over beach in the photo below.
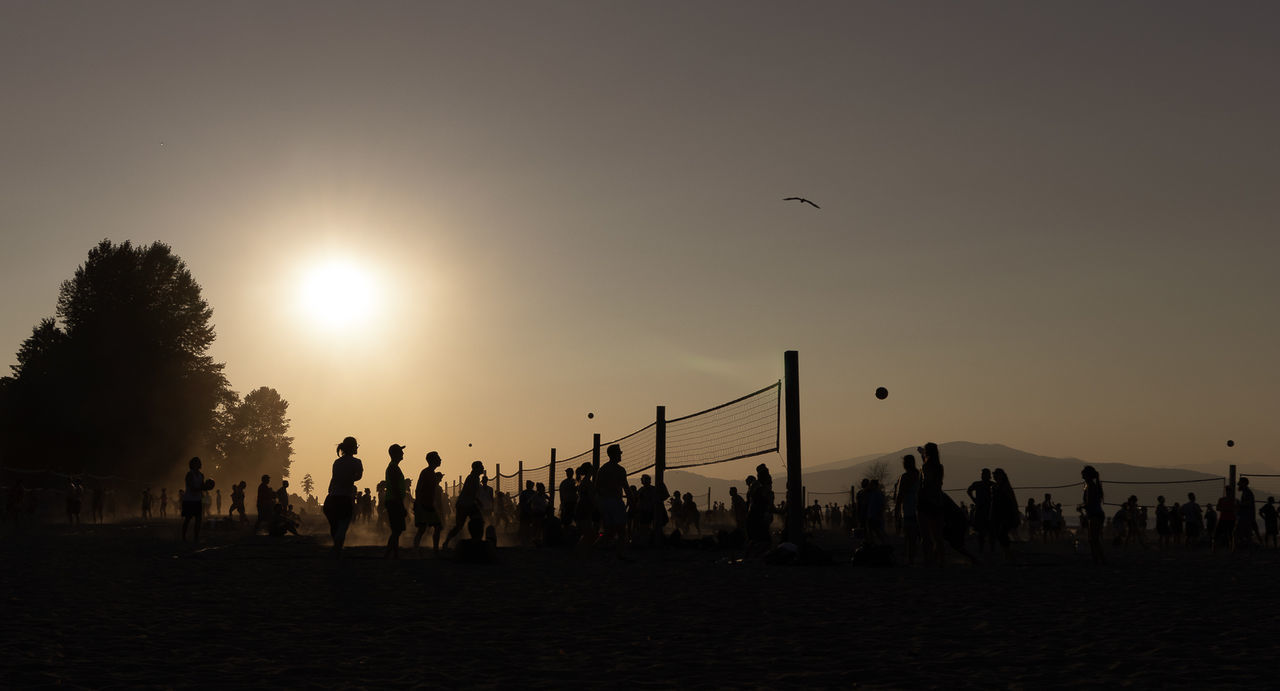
(1051, 226)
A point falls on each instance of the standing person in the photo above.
(585, 507)
(979, 492)
(75, 497)
(611, 490)
(905, 499)
(282, 495)
(1226, 532)
(1093, 511)
(237, 500)
(467, 507)
(340, 502)
(426, 504)
(484, 499)
(932, 505)
(1004, 512)
(1247, 514)
(1269, 516)
(395, 500)
(146, 503)
(1164, 528)
(737, 506)
(164, 503)
(568, 497)
(1035, 521)
(265, 503)
(192, 499)
(760, 509)
(218, 498)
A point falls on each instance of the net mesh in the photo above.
(741, 428)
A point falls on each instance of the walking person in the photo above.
(340, 502)
(266, 503)
(467, 506)
(395, 500)
(427, 510)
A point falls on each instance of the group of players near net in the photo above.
(596, 506)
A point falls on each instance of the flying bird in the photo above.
(802, 200)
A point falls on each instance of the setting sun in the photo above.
(338, 291)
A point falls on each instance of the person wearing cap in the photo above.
(395, 500)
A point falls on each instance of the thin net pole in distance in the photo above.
(741, 428)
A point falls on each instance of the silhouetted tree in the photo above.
(120, 381)
(878, 471)
(308, 486)
(252, 436)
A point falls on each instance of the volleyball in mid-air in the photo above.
(208, 484)
(590, 415)
(468, 443)
(1231, 442)
(882, 393)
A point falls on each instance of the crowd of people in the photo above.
(602, 506)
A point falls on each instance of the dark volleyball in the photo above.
(590, 415)
(1231, 442)
(882, 393)
(208, 484)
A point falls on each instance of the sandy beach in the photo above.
(130, 606)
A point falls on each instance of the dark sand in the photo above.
(129, 606)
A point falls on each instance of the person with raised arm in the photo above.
(339, 504)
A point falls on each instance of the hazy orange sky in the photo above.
(1050, 225)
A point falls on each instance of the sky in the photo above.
(1048, 225)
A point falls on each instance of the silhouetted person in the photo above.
(905, 501)
(1269, 515)
(568, 497)
(1247, 515)
(282, 495)
(689, 508)
(1210, 522)
(611, 489)
(1093, 511)
(738, 507)
(1035, 521)
(146, 503)
(339, 505)
(237, 500)
(426, 504)
(164, 503)
(587, 512)
(75, 496)
(1004, 511)
(192, 507)
(979, 492)
(1164, 527)
(217, 494)
(266, 500)
(760, 509)
(1226, 532)
(395, 500)
(467, 507)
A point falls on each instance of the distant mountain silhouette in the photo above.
(964, 462)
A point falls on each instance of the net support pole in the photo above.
(497, 479)
(795, 496)
(659, 468)
(1231, 480)
(520, 478)
(707, 508)
(805, 492)
(551, 481)
(595, 452)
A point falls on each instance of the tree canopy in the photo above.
(120, 381)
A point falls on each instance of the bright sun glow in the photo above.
(338, 291)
